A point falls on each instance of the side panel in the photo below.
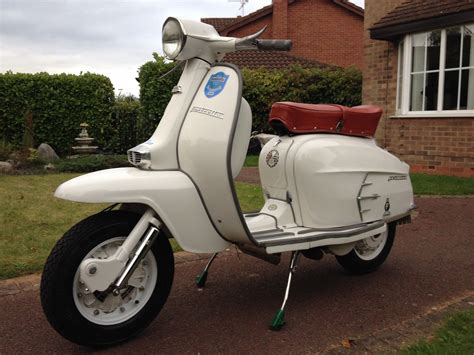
(344, 180)
(171, 194)
(205, 148)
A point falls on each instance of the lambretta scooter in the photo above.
(329, 189)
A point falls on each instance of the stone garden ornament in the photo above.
(328, 188)
(84, 142)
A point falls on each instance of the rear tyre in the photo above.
(79, 315)
(368, 254)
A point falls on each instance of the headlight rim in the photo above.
(183, 38)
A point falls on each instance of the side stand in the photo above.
(201, 278)
(279, 319)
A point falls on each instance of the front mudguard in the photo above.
(171, 194)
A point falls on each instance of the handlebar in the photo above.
(274, 44)
(252, 43)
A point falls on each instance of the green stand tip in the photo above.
(201, 279)
(279, 320)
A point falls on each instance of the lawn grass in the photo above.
(31, 219)
(424, 184)
(251, 161)
(456, 336)
(250, 196)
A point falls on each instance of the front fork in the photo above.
(113, 273)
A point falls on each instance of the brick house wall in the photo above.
(336, 37)
(253, 27)
(443, 146)
(320, 30)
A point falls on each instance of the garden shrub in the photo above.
(262, 87)
(155, 92)
(37, 108)
(124, 125)
(51, 107)
(88, 163)
(5, 150)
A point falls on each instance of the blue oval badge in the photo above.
(216, 84)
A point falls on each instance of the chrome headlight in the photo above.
(173, 38)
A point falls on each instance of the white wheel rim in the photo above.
(116, 309)
(371, 247)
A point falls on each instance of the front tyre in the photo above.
(97, 320)
(368, 254)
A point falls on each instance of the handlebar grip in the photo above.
(274, 44)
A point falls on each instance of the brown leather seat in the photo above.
(298, 118)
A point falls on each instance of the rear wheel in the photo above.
(368, 254)
(94, 319)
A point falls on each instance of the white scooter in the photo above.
(328, 190)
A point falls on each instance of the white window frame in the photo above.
(404, 108)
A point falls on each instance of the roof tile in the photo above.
(269, 60)
(219, 23)
(417, 10)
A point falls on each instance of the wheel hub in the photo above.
(109, 308)
(108, 302)
(371, 243)
(369, 248)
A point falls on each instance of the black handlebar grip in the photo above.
(274, 44)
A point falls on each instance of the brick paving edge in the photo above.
(29, 283)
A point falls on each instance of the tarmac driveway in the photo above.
(431, 263)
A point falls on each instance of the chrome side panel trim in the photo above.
(294, 238)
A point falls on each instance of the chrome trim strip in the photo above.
(371, 197)
(359, 206)
(266, 231)
(276, 236)
(294, 239)
(334, 229)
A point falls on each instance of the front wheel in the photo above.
(368, 254)
(95, 319)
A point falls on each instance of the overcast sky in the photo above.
(110, 37)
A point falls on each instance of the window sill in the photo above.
(434, 115)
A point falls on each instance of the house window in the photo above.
(436, 72)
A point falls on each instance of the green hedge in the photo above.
(49, 108)
(262, 87)
(56, 104)
(89, 163)
(125, 125)
(155, 92)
